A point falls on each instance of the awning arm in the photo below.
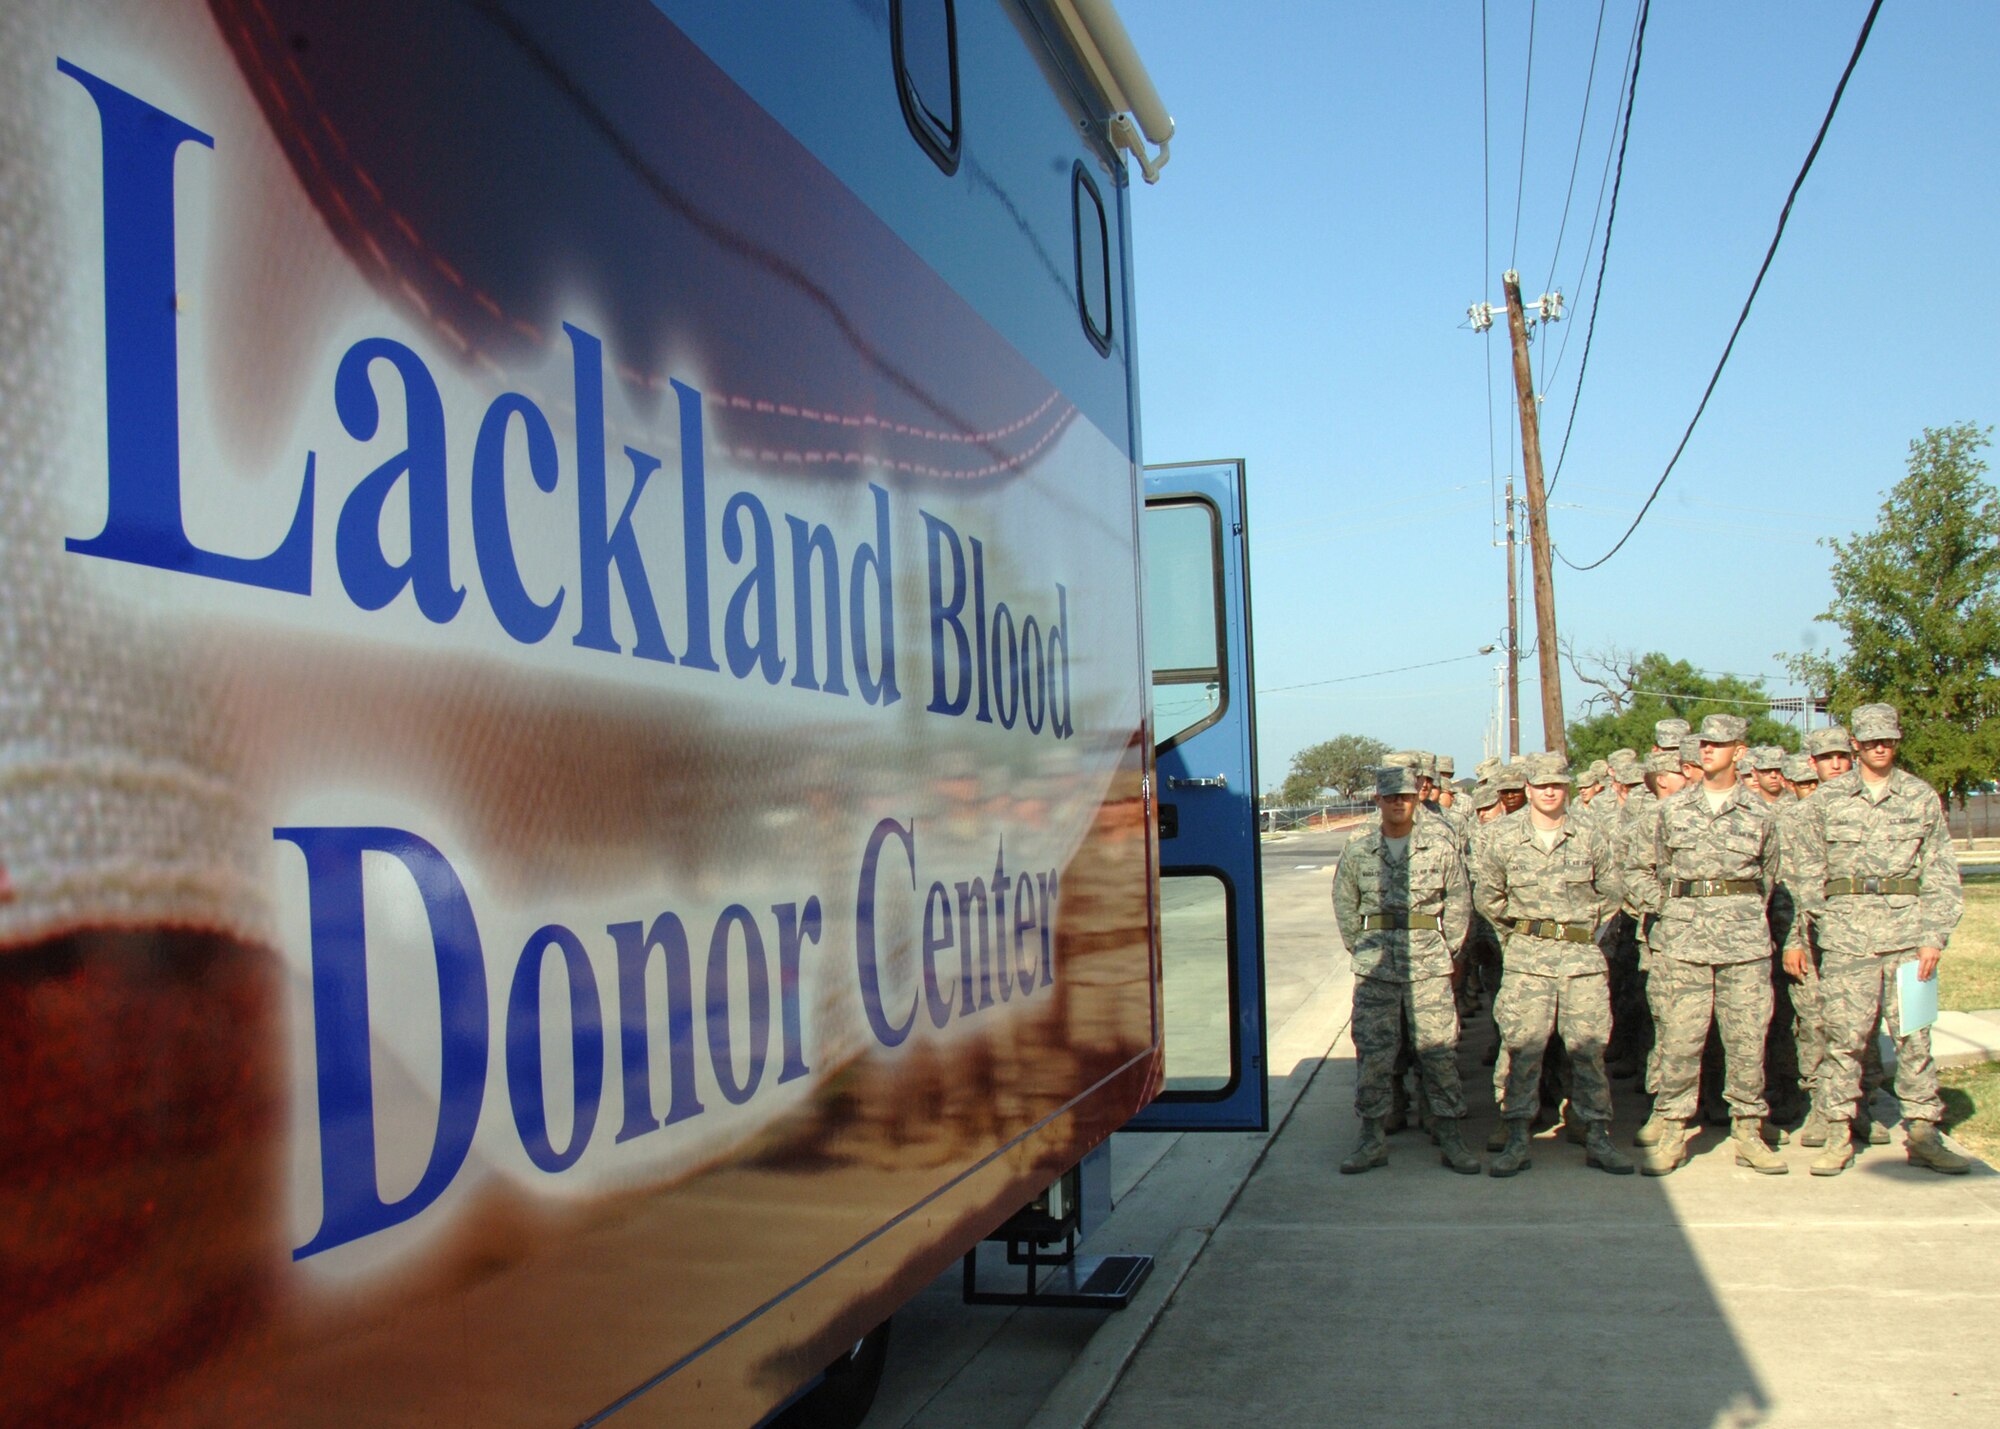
(1115, 68)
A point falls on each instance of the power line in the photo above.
(1372, 674)
(1589, 84)
(1583, 364)
(1784, 217)
(1603, 183)
(1521, 176)
(1486, 256)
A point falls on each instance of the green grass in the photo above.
(1970, 972)
(1972, 1108)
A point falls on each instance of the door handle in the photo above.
(1220, 781)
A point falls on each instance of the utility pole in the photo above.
(1513, 641)
(1554, 732)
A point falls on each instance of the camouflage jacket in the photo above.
(1840, 833)
(1684, 842)
(1784, 917)
(1574, 882)
(1634, 815)
(1430, 881)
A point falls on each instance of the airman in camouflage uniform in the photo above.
(1631, 1026)
(1830, 754)
(1663, 780)
(1877, 882)
(1708, 870)
(1767, 764)
(1802, 972)
(1404, 904)
(1668, 734)
(1547, 880)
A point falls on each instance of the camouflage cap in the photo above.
(1549, 769)
(1395, 779)
(1447, 767)
(1401, 759)
(1833, 740)
(1599, 771)
(1668, 733)
(1485, 796)
(1799, 769)
(1624, 767)
(1877, 722)
(1615, 755)
(1662, 762)
(1768, 756)
(1485, 769)
(1690, 750)
(1723, 729)
(1511, 776)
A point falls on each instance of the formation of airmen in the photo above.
(1660, 915)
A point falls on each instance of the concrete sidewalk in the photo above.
(1964, 1039)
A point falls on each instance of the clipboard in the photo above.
(1916, 1001)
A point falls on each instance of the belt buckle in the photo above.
(1872, 885)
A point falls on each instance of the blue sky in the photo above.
(1305, 263)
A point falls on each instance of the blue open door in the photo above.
(1197, 559)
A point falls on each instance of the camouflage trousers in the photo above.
(1736, 999)
(1855, 993)
(1379, 1009)
(1656, 1003)
(1528, 1009)
(1808, 1032)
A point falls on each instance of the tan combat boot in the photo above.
(1370, 1151)
(1650, 1133)
(1451, 1148)
(1513, 1155)
(1599, 1152)
(1670, 1151)
(1813, 1133)
(1746, 1134)
(1926, 1149)
(1839, 1152)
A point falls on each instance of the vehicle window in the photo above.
(1184, 618)
(1093, 260)
(924, 40)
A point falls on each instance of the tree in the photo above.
(1918, 601)
(1346, 762)
(1654, 687)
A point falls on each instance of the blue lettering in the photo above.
(720, 1054)
(968, 894)
(524, 1048)
(805, 541)
(760, 587)
(519, 614)
(370, 580)
(143, 521)
(1059, 636)
(945, 615)
(877, 688)
(350, 1193)
(1007, 672)
(1033, 672)
(694, 531)
(598, 551)
(793, 933)
(937, 937)
(1024, 919)
(867, 965)
(635, 943)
